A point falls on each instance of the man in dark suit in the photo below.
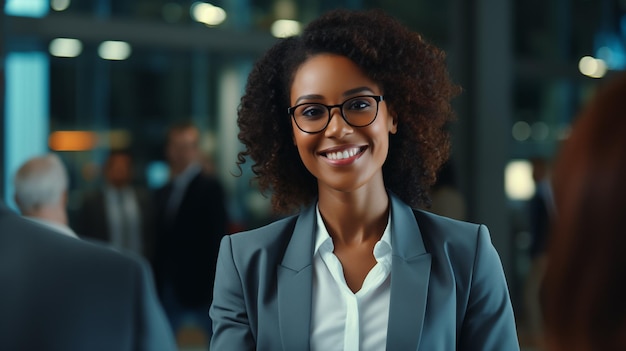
(119, 212)
(191, 220)
(61, 293)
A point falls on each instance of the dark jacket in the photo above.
(187, 244)
(63, 293)
(92, 221)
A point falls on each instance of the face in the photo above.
(341, 157)
(118, 171)
(182, 148)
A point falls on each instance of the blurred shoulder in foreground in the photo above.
(62, 293)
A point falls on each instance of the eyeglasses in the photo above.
(359, 111)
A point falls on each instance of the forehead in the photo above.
(328, 75)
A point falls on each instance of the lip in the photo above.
(331, 155)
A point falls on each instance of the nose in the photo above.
(337, 126)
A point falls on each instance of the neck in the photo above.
(357, 216)
(55, 214)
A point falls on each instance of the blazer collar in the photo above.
(299, 252)
(295, 284)
(410, 274)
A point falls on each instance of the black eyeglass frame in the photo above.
(377, 98)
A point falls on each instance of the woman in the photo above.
(584, 285)
(348, 123)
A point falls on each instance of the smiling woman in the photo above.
(347, 123)
(341, 155)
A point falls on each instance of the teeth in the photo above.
(342, 154)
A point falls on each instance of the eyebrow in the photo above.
(345, 94)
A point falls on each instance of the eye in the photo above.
(358, 104)
(311, 111)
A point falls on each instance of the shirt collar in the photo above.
(323, 241)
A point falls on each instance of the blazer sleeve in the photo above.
(153, 330)
(489, 324)
(231, 328)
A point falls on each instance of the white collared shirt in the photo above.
(124, 218)
(341, 319)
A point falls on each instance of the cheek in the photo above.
(381, 141)
(300, 139)
(304, 145)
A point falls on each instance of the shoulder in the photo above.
(46, 242)
(100, 258)
(445, 228)
(57, 252)
(270, 237)
(464, 247)
(254, 255)
(456, 240)
(262, 247)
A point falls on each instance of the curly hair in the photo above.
(412, 75)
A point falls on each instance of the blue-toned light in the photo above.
(157, 174)
(26, 112)
(609, 47)
(26, 8)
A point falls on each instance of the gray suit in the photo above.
(448, 290)
(62, 293)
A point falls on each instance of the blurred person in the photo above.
(191, 220)
(584, 293)
(540, 209)
(540, 206)
(345, 125)
(62, 294)
(119, 212)
(41, 186)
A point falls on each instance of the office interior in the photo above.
(82, 77)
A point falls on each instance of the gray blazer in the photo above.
(448, 290)
(66, 294)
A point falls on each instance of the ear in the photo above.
(392, 121)
(64, 198)
(394, 125)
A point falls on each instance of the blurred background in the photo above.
(83, 77)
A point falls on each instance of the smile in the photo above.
(340, 155)
(345, 154)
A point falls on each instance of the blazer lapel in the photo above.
(410, 273)
(295, 281)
